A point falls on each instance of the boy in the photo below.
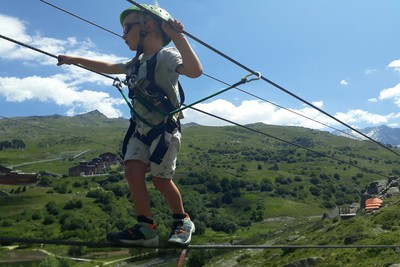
(160, 67)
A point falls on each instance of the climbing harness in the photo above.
(148, 94)
(153, 98)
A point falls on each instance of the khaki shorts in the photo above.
(137, 150)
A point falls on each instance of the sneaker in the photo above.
(182, 231)
(141, 234)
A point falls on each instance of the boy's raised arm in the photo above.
(99, 66)
(191, 65)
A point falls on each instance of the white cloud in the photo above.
(55, 90)
(253, 111)
(64, 89)
(358, 115)
(373, 100)
(394, 125)
(395, 64)
(257, 111)
(344, 82)
(389, 93)
(318, 104)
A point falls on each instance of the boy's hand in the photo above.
(63, 59)
(173, 28)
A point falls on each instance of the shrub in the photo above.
(242, 257)
(49, 219)
(75, 251)
(36, 216)
(315, 191)
(73, 204)
(52, 208)
(44, 181)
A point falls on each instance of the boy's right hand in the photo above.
(63, 59)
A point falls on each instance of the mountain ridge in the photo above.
(382, 133)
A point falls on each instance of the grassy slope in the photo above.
(227, 152)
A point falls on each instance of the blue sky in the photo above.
(343, 56)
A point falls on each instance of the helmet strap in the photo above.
(142, 35)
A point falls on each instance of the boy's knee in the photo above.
(160, 183)
(135, 169)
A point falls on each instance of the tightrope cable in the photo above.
(118, 85)
(265, 79)
(279, 106)
(11, 240)
(72, 14)
(291, 143)
(218, 52)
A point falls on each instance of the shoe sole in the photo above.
(153, 242)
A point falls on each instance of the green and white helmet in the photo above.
(158, 11)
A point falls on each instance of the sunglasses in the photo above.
(128, 26)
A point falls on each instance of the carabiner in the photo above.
(117, 83)
(257, 74)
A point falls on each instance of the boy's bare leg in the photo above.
(135, 171)
(170, 193)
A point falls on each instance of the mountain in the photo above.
(383, 134)
(190, 124)
(95, 114)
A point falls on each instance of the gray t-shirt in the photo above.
(165, 77)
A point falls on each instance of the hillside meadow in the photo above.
(237, 185)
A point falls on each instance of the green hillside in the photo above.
(367, 228)
(238, 186)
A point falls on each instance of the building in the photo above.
(4, 170)
(10, 177)
(109, 157)
(95, 166)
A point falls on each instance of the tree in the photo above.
(44, 181)
(76, 251)
(49, 219)
(52, 208)
(5, 144)
(52, 261)
(274, 168)
(62, 188)
(200, 227)
(314, 181)
(315, 190)
(281, 180)
(73, 204)
(17, 143)
(266, 186)
(199, 258)
(227, 198)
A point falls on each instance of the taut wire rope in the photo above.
(118, 85)
(267, 80)
(209, 76)
(11, 240)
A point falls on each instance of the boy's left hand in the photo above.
(173, 28)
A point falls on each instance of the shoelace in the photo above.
(179, 228)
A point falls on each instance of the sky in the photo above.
(343, 56)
